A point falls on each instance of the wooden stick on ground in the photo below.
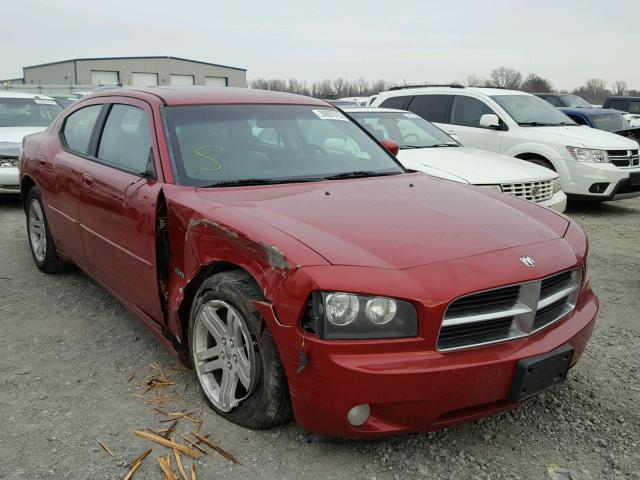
(166, 469)
(170, 429)
(194, 445)
(141, 457)
(193, 471)
(179, 465)
(217, 448)
(106, 449)
(136, 463)
(167, 443)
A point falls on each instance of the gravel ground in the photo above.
(68, 349)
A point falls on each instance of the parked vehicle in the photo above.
(20, 115)
(608, 120)
(342, 103)
(426, 148)
(362, 101)
(564, 100)
(64, 100)
(592, 164)
(632, 118)
(298, 266)
(625, 104)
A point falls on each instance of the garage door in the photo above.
(144, 79)
(181, 79)
(104, 77)
(215, 81)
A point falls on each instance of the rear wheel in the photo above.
(41, 242)
(237, 363)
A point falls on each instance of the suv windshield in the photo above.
(574, 101)
(407, 129)
(218, 145)
(531, 111)
(27, 112)
(611, 122)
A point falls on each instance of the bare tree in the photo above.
(476, 81)
(594, 91)
(536, 84)
(620, 88)
(506, 78)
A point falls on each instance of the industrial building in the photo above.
(135, 71)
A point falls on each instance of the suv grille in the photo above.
(533, 191)
(508, 312)
(624, 158)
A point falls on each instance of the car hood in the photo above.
(582, 136)
(393, 222)
(16, 134)
(474, 166)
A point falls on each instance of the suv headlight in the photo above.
(8, 162)
(555, 183)
(340, 315)
(588, 155)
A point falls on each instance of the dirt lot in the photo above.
(67, 351)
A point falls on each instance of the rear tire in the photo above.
(41, 244)
(248, 360)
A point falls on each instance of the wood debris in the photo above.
(165, 466)
(217, 448)
(193, 472)
(179, 465)
(106, 449)
(193, 444)
(136, 463)
(167, 443)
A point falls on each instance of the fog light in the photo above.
(359, 414)
(598, 187)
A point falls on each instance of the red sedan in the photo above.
(272, 243)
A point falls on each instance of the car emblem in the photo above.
(528, 261)
(535, 190)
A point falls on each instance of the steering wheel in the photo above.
(412, 136)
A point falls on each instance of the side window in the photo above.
(397, 102)
(78, 127)
(617, 105)
(578, 119)
(553, 101)
(430, 107)
(634, 107)
(126, 139)
(466, 111)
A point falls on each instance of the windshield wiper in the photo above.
(257, 181)
(359, 174)
(543, 124)
(438, 145)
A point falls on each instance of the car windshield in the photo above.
(407, 129)
(27, 112)
(574, 101)
(219, 145)
(611, 122)
(532, 111)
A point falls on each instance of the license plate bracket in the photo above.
(534, 374)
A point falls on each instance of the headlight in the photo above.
(556, 185)
(8, 162)
(495, 188)
(340, 315)
(588, 155)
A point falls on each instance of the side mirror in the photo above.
(489, 120)
(392, 147)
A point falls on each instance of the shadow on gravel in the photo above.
(597, 209)
(10, 203)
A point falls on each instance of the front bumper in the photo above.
(409, 384)
(557, 202)
(582, 176)
(9, 180)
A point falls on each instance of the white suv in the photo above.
(592, 164)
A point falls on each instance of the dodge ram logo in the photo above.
(528, 261)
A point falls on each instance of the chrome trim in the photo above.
(538, 191)
(524, 311)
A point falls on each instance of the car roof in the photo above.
(372, 110)
(588, 111)
(621, 97)
(489, 91)
(202, 95)
(23, 95)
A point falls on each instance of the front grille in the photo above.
(624, 158)
(532, 191)
(508, 312)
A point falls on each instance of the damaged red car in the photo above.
(273, 244)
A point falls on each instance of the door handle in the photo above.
(87, 180)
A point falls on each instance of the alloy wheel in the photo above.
(37, 230)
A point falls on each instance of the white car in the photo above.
(632, 118)
(426, 148)
(359, 100)
(593, 164)
(20, 115)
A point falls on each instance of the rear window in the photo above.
(430, 107)
(28, 112)
(397, 102)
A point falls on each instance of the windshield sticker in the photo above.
(45, 102)
(411, 115)
(330, 115)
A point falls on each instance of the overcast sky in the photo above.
(414, 40)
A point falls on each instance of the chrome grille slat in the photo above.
(508, 312)
(624, 158)
(533, 191)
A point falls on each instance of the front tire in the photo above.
(41, 244)
(237, 363)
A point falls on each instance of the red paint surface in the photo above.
(409, 236)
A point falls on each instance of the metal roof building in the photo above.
(136, 71)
